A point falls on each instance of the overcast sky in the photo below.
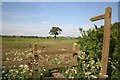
(37, 18)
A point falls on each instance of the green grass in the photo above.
(9, 44)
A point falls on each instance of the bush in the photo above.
(91, 42)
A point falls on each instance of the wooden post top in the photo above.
(100, 17)
(75, 47)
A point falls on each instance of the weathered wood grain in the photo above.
(97, 18)
(106, 41)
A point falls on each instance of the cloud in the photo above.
(41, 30)
(12, 29)
(89, 27)
(69, 30)
(45, 22)
(72, 32)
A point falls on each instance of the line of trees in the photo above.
(47, 37)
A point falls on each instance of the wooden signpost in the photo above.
(106, 39)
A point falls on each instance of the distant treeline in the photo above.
(14, 36)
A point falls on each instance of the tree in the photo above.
(55, 31)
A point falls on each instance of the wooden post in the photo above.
(75, 55)
(106, 42)
(36, 75)
(35, 52)
(35, 70)
(75, 48)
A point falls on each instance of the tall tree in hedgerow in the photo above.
(55, 31)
